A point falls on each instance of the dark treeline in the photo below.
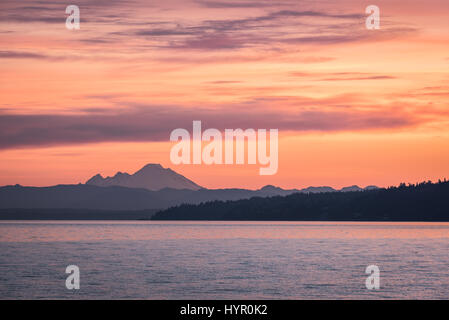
(424, 201)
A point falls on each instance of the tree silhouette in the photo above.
(423, 201)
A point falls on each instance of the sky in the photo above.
(352, 106)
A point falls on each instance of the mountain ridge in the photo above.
(152, 176)
(140, 180)
(84, 196)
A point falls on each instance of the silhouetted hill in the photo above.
(78, 197)
(113, 198)
(422, 202)
(351, 189)
(318, 190)
(74, 214)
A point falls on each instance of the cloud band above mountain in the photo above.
(154, 123)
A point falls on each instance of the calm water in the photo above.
(223, 260)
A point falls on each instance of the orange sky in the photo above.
(353, 106)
